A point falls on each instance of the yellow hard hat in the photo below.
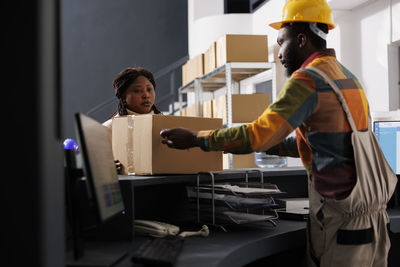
(305, 11)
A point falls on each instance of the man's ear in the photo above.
(301, 40)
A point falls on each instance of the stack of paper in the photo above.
(245, 191)
(236, 202)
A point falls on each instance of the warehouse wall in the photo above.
(365, 37)
(102, 37)
(363, 40)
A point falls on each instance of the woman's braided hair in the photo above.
(121, 83)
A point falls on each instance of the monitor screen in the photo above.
(99, 167)
(388, 134)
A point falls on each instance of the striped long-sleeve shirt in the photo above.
(308, 105)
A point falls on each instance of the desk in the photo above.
(163, 197)
(232, 174)
(237, 247)
(394, 216)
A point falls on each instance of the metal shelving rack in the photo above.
(228, 75)
(246, 183)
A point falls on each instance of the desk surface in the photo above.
(240, 245)
(143, 180)
(243, 246)
(237, 247)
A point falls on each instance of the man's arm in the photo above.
(287, 148)
(295, 103)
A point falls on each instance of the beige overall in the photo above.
(353, 231)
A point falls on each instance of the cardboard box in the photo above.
(240, 161)
(241, 48)
(245, 108)
(210, 58)
(184, 73)
(192, 69)
(136, 143)
(183, 112)
(191, 110)
(208, 109)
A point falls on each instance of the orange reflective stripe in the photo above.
(268, 130)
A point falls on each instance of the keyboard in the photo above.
(159, 251)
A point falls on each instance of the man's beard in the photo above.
(290, 68)
(291, 62)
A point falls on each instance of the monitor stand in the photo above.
(99, 254)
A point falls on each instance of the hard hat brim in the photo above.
(278, 25)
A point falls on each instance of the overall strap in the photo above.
(339, 95)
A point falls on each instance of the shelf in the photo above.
(217, 78)
(238, 195)
(229, 76)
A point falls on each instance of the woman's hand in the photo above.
(179, 138)
(118, 166)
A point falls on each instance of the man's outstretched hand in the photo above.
(179, 138)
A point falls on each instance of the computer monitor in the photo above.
(388, 134)
(99, 166)
(102, 189)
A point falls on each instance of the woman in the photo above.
(135, 90)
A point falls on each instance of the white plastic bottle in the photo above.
(263, 160)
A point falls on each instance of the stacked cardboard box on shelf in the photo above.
(240, 161)
(193, 69)
(136, 143)
(190, 111)
(183, 111)
(210, 58)
(241, 48)
(227, 48)
(245, 108)
(208, 109)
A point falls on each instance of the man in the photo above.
(341, 231)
